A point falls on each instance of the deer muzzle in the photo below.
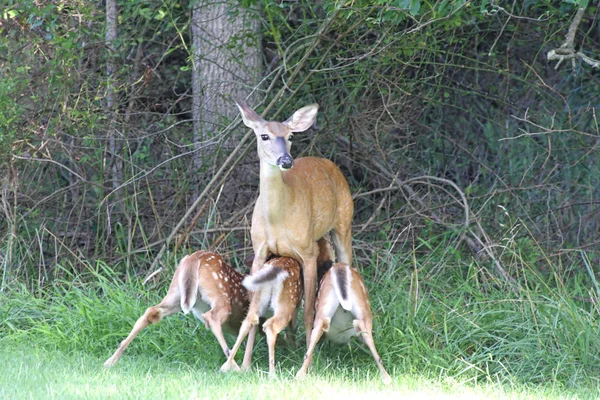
(285, 162)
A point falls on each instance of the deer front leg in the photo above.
(290, 336)
(214, 320)
(249, 346)
(230, 363)
(310, 289)
(261, 253)
(342, 241)
(249, 323)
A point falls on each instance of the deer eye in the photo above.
(291, 138)
(264, 137)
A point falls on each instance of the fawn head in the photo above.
(274, 138)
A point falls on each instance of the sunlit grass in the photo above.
(31, 372)
(450, 337)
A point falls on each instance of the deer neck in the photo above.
(274, 192)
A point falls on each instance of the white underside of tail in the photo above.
(188, 286)
(347, 302)
(257, 281)
(269, 289)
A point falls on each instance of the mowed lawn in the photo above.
(28, 372)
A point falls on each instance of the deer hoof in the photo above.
(387, 380)
(300, 374)
(226, 367)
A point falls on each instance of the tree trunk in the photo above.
(227, 62)
(110, 39)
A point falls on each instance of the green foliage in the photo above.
(454, 90)
(9, 115)
(579, 3)
(453, 326)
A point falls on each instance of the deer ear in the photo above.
(302, 119)
(249, 116)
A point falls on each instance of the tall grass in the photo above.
(458, 327)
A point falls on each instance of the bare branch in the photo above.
(567, 50)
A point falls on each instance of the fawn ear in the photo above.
(302, 119)
(251, 119)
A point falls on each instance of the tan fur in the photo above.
(205, 275)
(298, 206)
(329, 308)
(286, 309)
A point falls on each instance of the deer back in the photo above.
(205, 276)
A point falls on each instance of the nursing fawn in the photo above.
(343, 311)
(278, 286)
(205, 285)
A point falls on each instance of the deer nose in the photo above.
(285, 162)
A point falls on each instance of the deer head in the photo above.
(274, 138)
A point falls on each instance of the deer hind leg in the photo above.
(214, 320)
(290, 335)
(367, 336)
(342, 241)
(169, 305)
(248, 324)
(272, 328)
(321, 326)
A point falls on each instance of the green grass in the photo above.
(31, 372)
(455, 336)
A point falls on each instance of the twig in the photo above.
(183, 237)
(53, 162)
(496, 8)
(376, 212)
(474, 242)
(567, 50)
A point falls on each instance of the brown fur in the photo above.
(299, 206)
(204, 272)
(360, 307)
(286, 305)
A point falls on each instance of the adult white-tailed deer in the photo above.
(343, 311)
(205, 285)
(300, 201)
(278, 286)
